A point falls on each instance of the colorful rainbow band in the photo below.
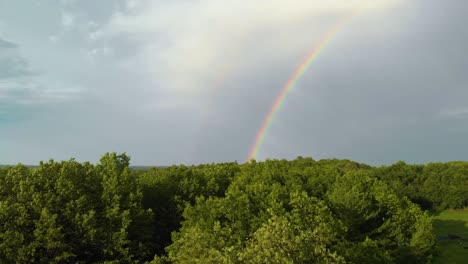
(292, 82)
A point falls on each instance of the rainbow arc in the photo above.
(293, 80)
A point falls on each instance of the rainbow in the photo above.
(292, 82)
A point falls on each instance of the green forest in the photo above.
(276, 211)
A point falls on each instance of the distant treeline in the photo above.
(277, 211)
(130, 167)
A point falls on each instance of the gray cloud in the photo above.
(452, 114)
(372, 98)
(6, 44)
(191, 82)
(11, 63)
(23, 93)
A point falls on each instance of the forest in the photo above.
(275, 211)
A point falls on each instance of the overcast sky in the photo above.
(191, 81)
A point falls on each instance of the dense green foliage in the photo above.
(436, 186)
(68, 212)
(277, 211)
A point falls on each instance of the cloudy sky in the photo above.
(192, 81)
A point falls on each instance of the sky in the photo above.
(171, 82)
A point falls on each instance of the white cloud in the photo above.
(67, 2)
(68, 20)
(54, 39)
(131, 4)
(33, 92)
(94, 35)
(91, 24)
(184, 46)
(59, 93)
(20, 85)
(94, 53)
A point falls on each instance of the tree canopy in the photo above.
(276, 211)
